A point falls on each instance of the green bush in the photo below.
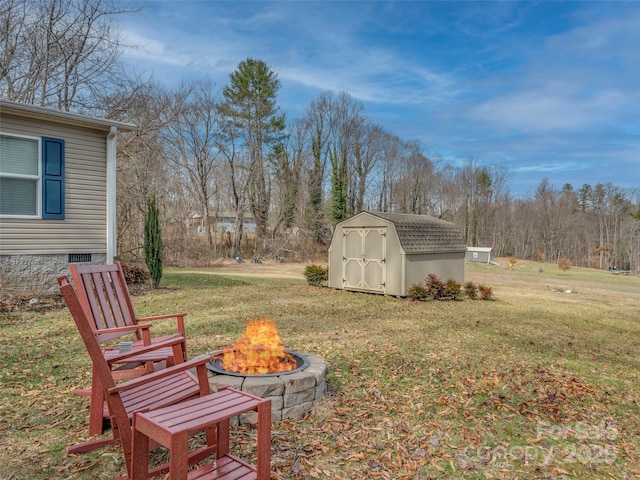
(436, 288)
(471, 289)
(135, 275)
(453, 289)
(417, 293)
(316, 275)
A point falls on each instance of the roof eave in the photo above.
(8, 107)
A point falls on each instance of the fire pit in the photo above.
(299, 362)
(258, 364)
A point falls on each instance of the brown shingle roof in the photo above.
(423, 233)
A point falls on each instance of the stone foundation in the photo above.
(36, 274)
(292, 395)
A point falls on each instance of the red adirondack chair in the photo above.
(104, 295)
(149, 400)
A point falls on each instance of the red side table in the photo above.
(171, 426)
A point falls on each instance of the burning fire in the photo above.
(258, 351)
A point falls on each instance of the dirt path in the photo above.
(265, 269)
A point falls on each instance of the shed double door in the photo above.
(364, 260)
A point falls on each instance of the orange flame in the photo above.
(259, 351)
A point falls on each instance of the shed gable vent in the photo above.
(79, 257)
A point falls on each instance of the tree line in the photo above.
(206, 151)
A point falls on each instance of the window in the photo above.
(31, 177)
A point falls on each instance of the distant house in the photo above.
(57, 194)
(479, 254)
(225, 222)
(389, 252)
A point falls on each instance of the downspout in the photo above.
(111, 195)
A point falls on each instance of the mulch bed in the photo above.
(47, 301)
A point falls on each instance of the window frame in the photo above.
(38, 178)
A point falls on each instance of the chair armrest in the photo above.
(172, 342)
(178, 316)
(197, 363)
(160, 317)
(127, 328)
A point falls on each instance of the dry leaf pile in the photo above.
(556, 426)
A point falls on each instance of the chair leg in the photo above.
(179, 457)
(223, 438)
(263, 463)
(91, 445)
(96, 407)
(139, 455)
(96, 421)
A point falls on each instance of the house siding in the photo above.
(84, 228)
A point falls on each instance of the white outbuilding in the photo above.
(479, 254)
(387, 253)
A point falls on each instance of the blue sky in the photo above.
(547, 89)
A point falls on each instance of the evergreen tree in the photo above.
(251, 107)
(153, 241)
(339, 186)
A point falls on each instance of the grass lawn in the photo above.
(542, 382)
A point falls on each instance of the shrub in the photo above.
(485, 292)
(564, 264)
(453, 289)
(316, 275)
(135, 275)
(471, 289)
(418, 293)
(436, 288)
(153, 241)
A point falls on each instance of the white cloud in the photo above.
(550, 109)
(151, 49)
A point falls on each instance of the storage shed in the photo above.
(387, 253)
(479, 254)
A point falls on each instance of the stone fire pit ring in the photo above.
(292, 395)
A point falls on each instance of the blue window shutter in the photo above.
(52, 178)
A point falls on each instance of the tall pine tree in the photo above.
(153, 241)
(250, 106)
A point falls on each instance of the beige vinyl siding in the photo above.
(445, 264)
(84, 228)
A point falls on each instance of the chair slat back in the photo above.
(103, 291)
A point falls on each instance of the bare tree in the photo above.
(194, 148)
(344, 121)
(317, 129)
(288, 159)
(367, 154)
(386, 174)
(62, 54)
(413, 190)
(236, 171)
(141, 166)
